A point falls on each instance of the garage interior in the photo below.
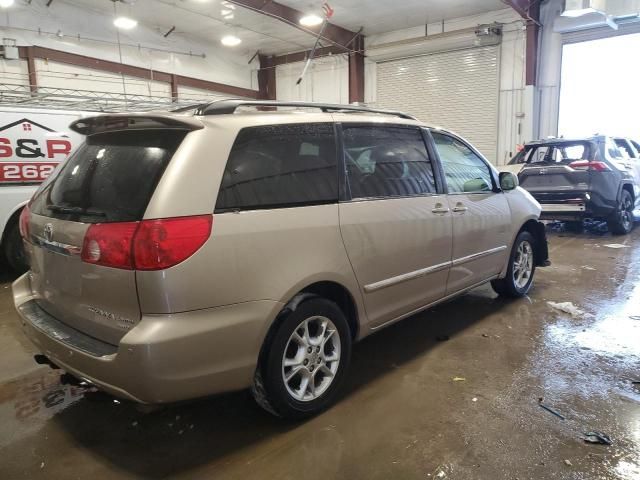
(479, 387)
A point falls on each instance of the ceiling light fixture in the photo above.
(230, 41)
(310, 20)
(125, 23)
(6, 3)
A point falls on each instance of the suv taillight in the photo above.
(589, 165)
(23, 222)
(146, 245)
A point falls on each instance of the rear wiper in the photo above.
(76, 211)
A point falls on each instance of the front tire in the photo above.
(305, 361)
(522, 267)
(621, 222)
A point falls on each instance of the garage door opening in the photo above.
(599, 92)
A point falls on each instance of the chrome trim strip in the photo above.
(558, 207)
(388, 282)
(475, 256)
(56, 247)
(432, 304)
(372, 287)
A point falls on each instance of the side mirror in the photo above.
(508, 181)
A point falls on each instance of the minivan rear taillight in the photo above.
(23, 222)
(589, 165)
(166, 242)
(109, 244)
(147, 245)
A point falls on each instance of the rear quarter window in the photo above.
(110, 178)
(280, 166)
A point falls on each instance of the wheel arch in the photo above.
(328, 289)
(539, 232)
(629, 188)
(541, 251)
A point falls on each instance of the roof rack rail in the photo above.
(222, 107)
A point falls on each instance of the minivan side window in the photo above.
(464, 171)
(384, 162)
(280, 166)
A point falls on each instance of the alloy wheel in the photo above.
(311, 358)
(626, 212)
(523, 264)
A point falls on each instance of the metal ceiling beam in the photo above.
(529, 10)
(341, 40)
(130, 70)
(267, 78)
(338, 36)
(302, 56)
(31, 69)
(356, 71)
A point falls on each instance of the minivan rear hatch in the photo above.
(557, 167)
(108, 180)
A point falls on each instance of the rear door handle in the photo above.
(460, 208)
(440, 209)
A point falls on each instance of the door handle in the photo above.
(460, 208)
(440, 209)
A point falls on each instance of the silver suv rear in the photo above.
(180, 255)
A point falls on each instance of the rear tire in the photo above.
(305, 361)
(621, 222)
(14, 252)
(521, 269)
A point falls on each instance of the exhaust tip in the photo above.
(44, 360)
(68, 379)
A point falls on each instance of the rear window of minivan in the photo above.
(109, 178)
(279, 166)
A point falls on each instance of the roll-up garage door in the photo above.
(457, 90)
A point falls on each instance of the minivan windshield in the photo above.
(109, 178)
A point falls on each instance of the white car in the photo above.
(32, 144)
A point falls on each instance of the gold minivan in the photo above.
(251, 243)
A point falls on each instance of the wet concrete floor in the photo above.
(414, 407)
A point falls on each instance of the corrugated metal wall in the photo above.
(457, 90)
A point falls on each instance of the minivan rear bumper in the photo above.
(164, 358)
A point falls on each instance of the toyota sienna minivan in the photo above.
(244, 245)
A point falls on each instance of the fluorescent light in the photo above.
(230, 41)
(125, 23)
(310, 20)
(6, 3)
